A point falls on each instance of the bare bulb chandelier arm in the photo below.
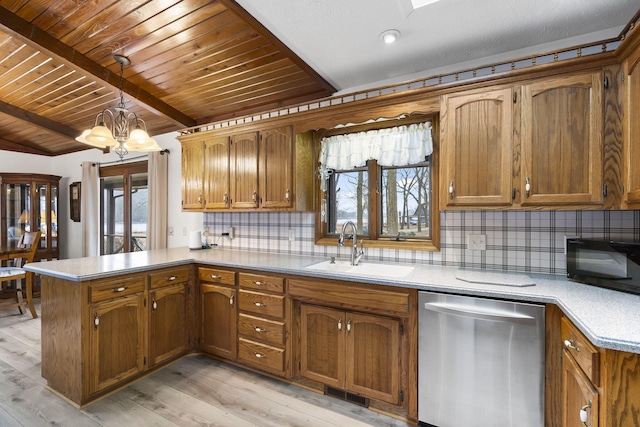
(121, 129)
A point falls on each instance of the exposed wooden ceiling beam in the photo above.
(34, 36)
(37, 120)
(21, 148)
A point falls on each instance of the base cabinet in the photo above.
(351, 351)
(168, 317)
(118, 333)
(579, 395)
(218, 307)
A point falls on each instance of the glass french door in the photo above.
(124, 199)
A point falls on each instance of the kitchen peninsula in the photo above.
(114, 304)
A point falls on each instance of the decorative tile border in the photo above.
(525, 241)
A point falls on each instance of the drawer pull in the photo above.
(569, 344)
(120, 289)
(214, 277)
(259, 283)
(259, 304)
(259, 329)
(583, 414)
(171, 278)
(260, 355)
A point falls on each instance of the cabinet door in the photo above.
(219, 315)
(276, 164)
(632, 147)
(117, 342)
(477, 144)
(322, 345)
(244, 171)
(562, 141)
(579, 396)
(167, 323)
(373, 356)
(216, 173)
(192, 175)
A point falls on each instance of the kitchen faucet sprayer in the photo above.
(356, 255)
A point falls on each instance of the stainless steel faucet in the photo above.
(356, 255)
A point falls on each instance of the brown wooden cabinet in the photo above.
(539, 144)
(562, 141)
(356, 352)
(263, 169)
(205, 174)
(631, 101)
(218, 308)
(117, 321)
(263, 341)
(477, 145)
(168, 298)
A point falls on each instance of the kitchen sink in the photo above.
(362, 269)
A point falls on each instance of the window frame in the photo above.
(374, 239)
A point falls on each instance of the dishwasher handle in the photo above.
(481, 313)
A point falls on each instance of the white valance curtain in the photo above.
(396, 146)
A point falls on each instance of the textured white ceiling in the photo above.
(340, 38)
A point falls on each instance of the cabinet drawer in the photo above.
(269, 331)
(168, 277)
(261, 304)
(261, 282)
(116, 288)
(217, 275)
(584, 353)
(261, 356)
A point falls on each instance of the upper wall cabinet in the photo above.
(247, 171)
(562, 141)
(535, 145)
(477, 141)
(632, 128)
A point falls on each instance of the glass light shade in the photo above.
(138, 139)
(150, 145)
(101, 136)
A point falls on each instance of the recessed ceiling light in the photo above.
(419, 3)
(389, 36)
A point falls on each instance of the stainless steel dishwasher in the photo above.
(480, 362)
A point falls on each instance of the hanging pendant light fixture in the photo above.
(123, 129)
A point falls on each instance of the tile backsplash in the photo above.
(527, 241)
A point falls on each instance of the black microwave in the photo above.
(608, 264)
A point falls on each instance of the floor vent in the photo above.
(345, 395)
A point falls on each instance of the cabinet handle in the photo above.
(583, 414)
(233, 295)
(96, 321)
(451, 189)
(569, 344)
(287, 195)
(259, 330)
(154, 305)
(214, 277)
(225, 199)
(259, 283)
(260, 355)
(340, 324)
(200, 198)
(259, 304)
(349, 326)
(120, 289)
(254, 197)
(527, 186)
(171, 278)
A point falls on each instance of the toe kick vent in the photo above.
(345, 395)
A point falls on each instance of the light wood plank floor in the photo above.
(195, 391)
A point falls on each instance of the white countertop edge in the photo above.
(610, 319)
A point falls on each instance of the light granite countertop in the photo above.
(610, 319)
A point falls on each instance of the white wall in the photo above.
(68, 166)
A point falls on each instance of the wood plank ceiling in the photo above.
(192, 62)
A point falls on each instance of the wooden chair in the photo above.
(29, 240)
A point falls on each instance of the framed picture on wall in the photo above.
(74, 201)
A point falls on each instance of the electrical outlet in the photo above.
(170, 231)
(476, 242)
(292, 235)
